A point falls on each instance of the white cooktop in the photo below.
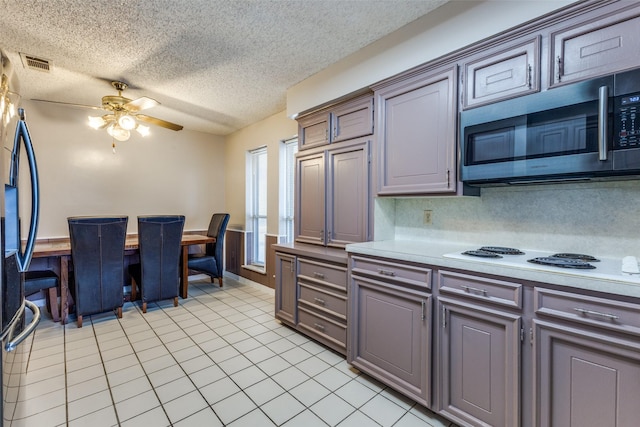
(606, 268)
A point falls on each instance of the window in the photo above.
(257, 206)
(288, 151)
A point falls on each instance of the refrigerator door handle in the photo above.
(13, 342)
(24, 258)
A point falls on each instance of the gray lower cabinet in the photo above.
(286, 293)
(479, 349)
(322, 302)
(390, 325)
(479, 369)
(587, 361)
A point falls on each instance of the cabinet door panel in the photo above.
(598, 47)
(417, 150)
(480, 364)
(348, 195)
(313, 130)
(286, 293)
(391, 336)
(311, 196)
(352, 120)
(503, 74)
(585, 378)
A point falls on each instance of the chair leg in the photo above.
(80, 321)
(119, 312)
(134, 291)
(220, 280)
(144, 307)
(52, 303)
(175, 302)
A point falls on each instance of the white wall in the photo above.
(454, 25)
(165, 173)
(269, 132)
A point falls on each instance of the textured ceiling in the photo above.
(215, 65)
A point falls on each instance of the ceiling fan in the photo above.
(123, 116)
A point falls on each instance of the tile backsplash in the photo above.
(599, 218)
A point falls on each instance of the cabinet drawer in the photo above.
(392, 271)
(323, 300)
(588, 310)
(322, 326)
(329, 275)
(499, 292)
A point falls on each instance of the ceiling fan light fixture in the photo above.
(96, 122)
(127, 122)
(143, 130)
(118, 133)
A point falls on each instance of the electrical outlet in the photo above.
(428, 217)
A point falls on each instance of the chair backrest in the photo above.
(97, 253)
(217, 228)
(159, 239)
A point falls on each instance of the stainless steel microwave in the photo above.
(585, 130)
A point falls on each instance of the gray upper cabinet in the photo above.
(352, 119)
(607, 43)
(347, 120)
(417, 134)
(501, 73)
(313, 130)
(310, 196)
(334, 195)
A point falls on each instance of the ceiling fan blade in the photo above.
(70, 104)
(158, 122)
(141, 103)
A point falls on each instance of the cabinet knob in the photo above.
(389, 273)
(318, 327)
(318, 275)
(320, 301)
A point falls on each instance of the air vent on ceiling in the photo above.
(35, 63)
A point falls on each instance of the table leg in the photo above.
(64, 289)
(184, 272)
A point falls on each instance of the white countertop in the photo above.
(607, 277)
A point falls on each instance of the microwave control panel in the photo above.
(627, 122)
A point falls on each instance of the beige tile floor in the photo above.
(218, 359)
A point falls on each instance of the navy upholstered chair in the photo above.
(97, 254)
(44, 280)
(211, 262)
(158, 273)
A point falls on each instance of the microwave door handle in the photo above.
(603, 99)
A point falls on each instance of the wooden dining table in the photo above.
(61, 250)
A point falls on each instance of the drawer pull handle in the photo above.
(586, 312)
(319, 301)
(318, 275)
(318, 327)
(389, 273)
(476, 290)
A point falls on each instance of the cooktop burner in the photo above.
(482, 254)
(501, 250)
(562, 262)
(580, 257)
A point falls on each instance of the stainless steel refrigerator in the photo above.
(19, 317)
